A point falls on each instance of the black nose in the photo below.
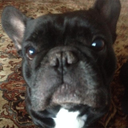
(63, 59)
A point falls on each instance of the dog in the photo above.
(68, 62)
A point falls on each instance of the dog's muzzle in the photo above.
(67, 78)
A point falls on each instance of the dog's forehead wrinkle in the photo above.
(35, 29)
(43, 39)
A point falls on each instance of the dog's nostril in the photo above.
(71, 58)
(55, 60)
(63, 59)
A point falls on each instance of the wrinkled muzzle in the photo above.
(67, 77)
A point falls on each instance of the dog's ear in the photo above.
(13, 23)
(109, 10)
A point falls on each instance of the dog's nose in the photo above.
(63, 59)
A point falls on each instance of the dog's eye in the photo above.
(98, 44)
(30, 52)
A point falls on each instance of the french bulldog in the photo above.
(68, 62)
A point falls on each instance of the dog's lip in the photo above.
(67, 95)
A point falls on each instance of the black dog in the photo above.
(68, 62)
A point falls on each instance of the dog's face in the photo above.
(68, 60)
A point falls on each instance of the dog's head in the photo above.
(68, 59)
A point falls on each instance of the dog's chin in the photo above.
(70, 97)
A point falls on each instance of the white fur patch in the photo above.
(66, 119)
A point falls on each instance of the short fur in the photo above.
(68, 60)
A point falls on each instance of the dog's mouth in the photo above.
(67, 95)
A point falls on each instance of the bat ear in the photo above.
(13, 23)
(109, 10)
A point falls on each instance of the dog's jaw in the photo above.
(67, 119)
